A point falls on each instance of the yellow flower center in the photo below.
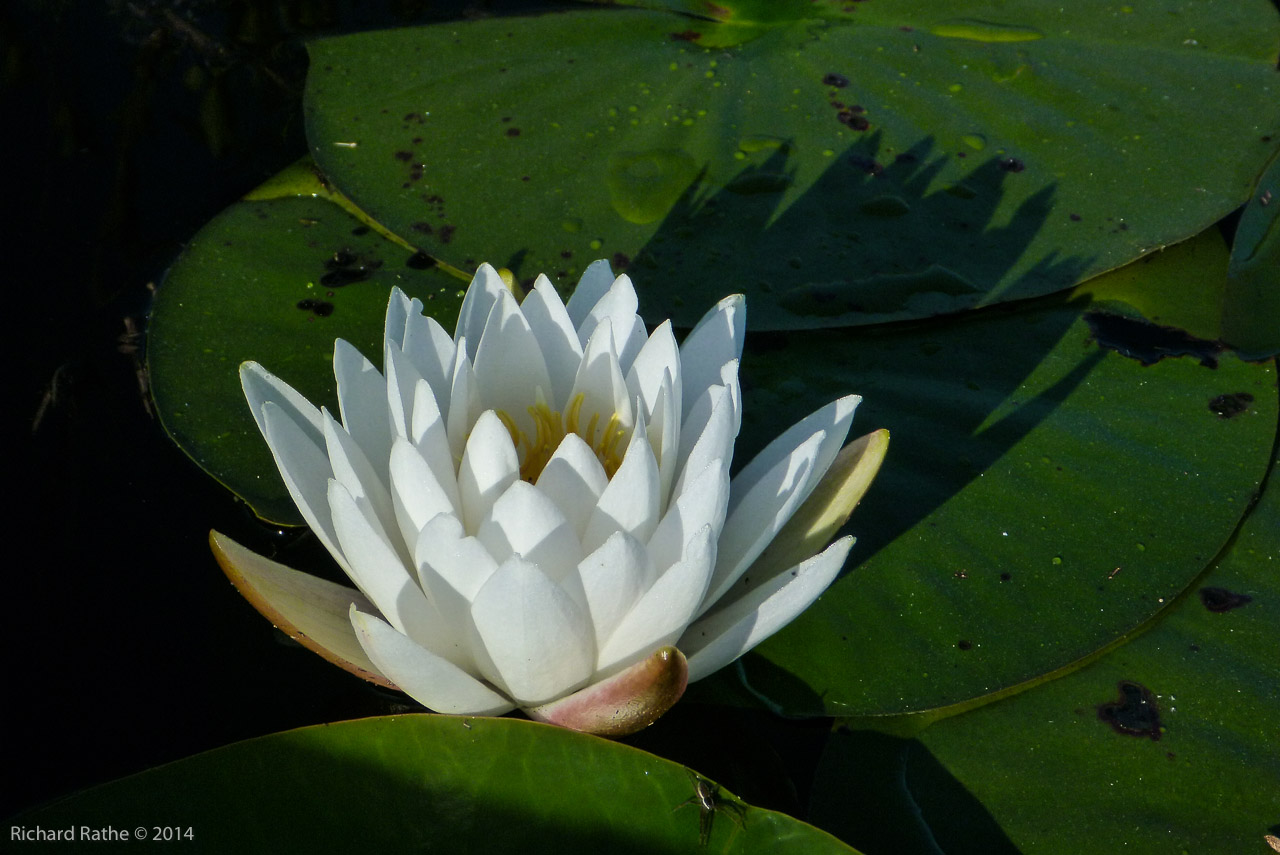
(550, 427)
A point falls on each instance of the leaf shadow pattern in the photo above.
(875, 238)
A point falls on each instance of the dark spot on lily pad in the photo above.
(1231, 405)
(360, 231)
(837, 80)
(513, 132)
(853, 120)
(1134, 714)
(1147, 342)
(319, 308)
(621, 261)
(686, 36)
(406, 156)
(964, 644)
(420, 261)
(1222, 600)
(446, 233)
(1012, 164)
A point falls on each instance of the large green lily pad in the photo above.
(274, 278)
(429, 783)
(1045, 494)
(1166, 744)
(842, 163)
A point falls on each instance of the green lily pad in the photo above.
(429, 783)
(841, 163)
(1166, 744)
(1046, 491)
(274, 278)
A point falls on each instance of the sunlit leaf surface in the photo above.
(841, 163)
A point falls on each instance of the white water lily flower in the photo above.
(538, 512)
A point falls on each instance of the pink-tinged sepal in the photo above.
(629, 701)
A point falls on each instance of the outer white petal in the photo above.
(260, 386)
(630, 502)
(463, 409)
(380, 573)
(557, 337)
(714, 341)
(723, 636)
(362, 402)
(447, 557)
(431, 681)
(508, 364)
(701, 504)
(356, 472)
(402, 386)
(525, 522)
(416, 492)
(533, 638)
(664, 437)
(489, 466)
(481, 294)
(304, 466)
(613, 578)
(708, 434)
(769, 489)
(664, 611)
(594, 284)
(399, 308)
(430, 436)
(429, 348)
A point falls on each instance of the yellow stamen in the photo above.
(550, 428)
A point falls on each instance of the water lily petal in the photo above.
(702, 504)
(725, 634)
(613, 578)
(524, 521)
(417, 494)
(427, 678)
(380, 572)
(446, 556)
(353, 471)
(630, 502)
(713, 342)
(478, 302)
(658, 361)
(489, 466)
(402, 386)
(770, 488)
(596, 281)
(617, 308)
(602, 386)
(709, 431)
(304, 467)
(310, 610)
(555, 334)
(510, 371)
(463, 409)
(827, 508)
(426, 344)
(260, 386)
(533, 639)
(664, 437)
(661, 615)
(574, 479)
(362, 402)
(624, 703)
(430, 436)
